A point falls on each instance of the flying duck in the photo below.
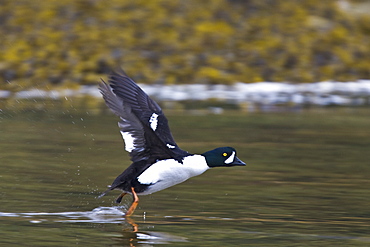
(158, 163)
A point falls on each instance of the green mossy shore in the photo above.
(65, 44)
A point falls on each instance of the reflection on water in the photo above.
(306, 180)
(97, 215)
(102, 215)
(132, 235)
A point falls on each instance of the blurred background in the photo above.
(62, 47)
(71, 43)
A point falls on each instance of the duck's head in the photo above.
(224, 156)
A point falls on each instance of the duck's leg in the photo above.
(119, 199)
(134, 204)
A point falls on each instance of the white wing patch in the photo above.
(129, 141)
(230, 159)
(170, 146)
(153, 121)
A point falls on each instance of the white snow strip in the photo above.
(265, 93)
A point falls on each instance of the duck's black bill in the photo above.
(237, 162)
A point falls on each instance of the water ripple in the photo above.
(97, 215)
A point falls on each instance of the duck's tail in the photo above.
(119, 198)
(104, 193)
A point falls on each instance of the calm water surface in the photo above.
(306, 182)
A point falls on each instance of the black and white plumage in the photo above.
(158, 162)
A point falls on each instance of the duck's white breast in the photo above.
(166, 173)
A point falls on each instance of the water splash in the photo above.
(100, 215)
(97, 215)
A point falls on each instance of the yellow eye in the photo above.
(224, 154)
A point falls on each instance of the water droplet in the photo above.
(35, 221)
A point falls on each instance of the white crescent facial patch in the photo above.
(230, 159)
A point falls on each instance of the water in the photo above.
(306, 182)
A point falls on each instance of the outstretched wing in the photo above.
(143, 125)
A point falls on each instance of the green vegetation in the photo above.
(70, 43)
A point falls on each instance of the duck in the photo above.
(157, 161)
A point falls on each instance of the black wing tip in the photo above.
(119, 71)
(103, 85)
(118, 83)
(118, 79)
(113, 77)
(118, 74)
